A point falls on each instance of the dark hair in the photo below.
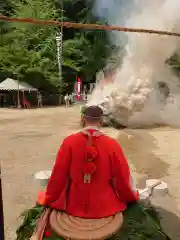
(93, 113)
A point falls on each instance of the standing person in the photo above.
(25, 102)
(39, 98)
(71, 99)
(66, 100)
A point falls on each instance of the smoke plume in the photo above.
(135, 97)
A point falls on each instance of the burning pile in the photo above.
(136, 96)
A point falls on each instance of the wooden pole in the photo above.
(18, 97)
(87, 26)
(2, 237)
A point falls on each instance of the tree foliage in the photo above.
(28, 51)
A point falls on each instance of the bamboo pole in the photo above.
(87, 26)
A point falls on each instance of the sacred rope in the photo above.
(86, 26)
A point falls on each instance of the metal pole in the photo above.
(2, 237)
(59, 42)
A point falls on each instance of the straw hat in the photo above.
(77, 228)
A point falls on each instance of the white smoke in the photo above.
(116, 12)
(134, 98)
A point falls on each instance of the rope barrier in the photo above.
(86, 26)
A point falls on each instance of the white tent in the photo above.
(14, 85)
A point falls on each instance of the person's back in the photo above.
(39, 97)
(65, 97)
(97, 198)
(89, 189)
(70, 99)
(109, 188)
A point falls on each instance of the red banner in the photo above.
(78, 88)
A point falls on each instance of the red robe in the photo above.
(110, 188)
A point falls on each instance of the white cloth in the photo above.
(66, 98)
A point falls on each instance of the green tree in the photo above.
(29, 51)
(88, 49)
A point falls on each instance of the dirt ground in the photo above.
(29, 140)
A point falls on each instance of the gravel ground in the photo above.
(29, 141)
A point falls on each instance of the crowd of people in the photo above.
(70, 99)
(29, 100)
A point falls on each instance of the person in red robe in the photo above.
(91, 177)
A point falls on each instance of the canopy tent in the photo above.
(17, 86)
(14, 85)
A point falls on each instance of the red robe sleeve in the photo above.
(121, 174)
(58, 179)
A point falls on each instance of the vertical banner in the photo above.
(78, 88)
(2, 237)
